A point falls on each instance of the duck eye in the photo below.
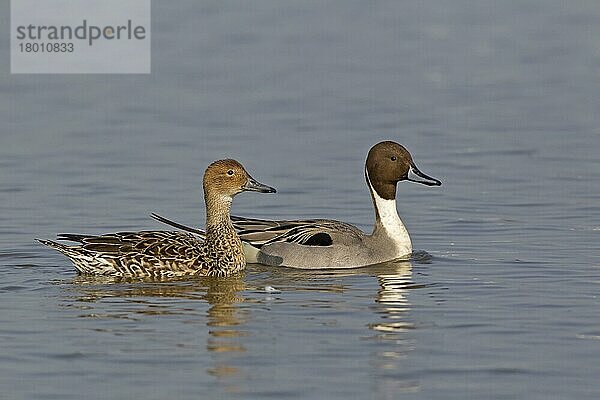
(393, 158)
(230, 172)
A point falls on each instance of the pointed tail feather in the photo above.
(72, 237)
(55, 245)
(68, 251)
(178, 225)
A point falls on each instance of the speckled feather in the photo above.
(166, 254)
(321, 243)
(154, 254)
(261, 232)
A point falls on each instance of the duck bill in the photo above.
(254, 186)
(415, 175)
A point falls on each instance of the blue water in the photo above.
(501, 301)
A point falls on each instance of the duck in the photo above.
(326, 243)
(168, 254)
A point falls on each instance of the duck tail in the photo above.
(72, 237)
(55, 245)
(68, 251)
(177, 225)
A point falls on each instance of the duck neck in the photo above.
(387, 222)
(218, 221)
(222, 244)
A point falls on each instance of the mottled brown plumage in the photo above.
(163, 254)
(325, 243)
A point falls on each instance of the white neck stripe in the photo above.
(389, 219)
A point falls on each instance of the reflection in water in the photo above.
(394, 277)
(390, 306)
(231, 328)
(223, 318)
(392, 296)
(393, 307)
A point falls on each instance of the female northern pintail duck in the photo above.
(160, 254)
(322, 243)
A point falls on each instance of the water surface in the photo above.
(501, 301)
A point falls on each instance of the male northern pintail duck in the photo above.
(159, 254)
(322, 243)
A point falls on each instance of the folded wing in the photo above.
(261, 232)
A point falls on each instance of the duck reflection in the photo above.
(230, 324)
(224, 318)
(391, 302)
(390, 342)
(225, 321)
(393, 307)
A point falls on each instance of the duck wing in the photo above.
(145, 253)
(260, 232)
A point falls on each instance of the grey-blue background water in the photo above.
(499, 100)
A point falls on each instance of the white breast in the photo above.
(392, 224)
